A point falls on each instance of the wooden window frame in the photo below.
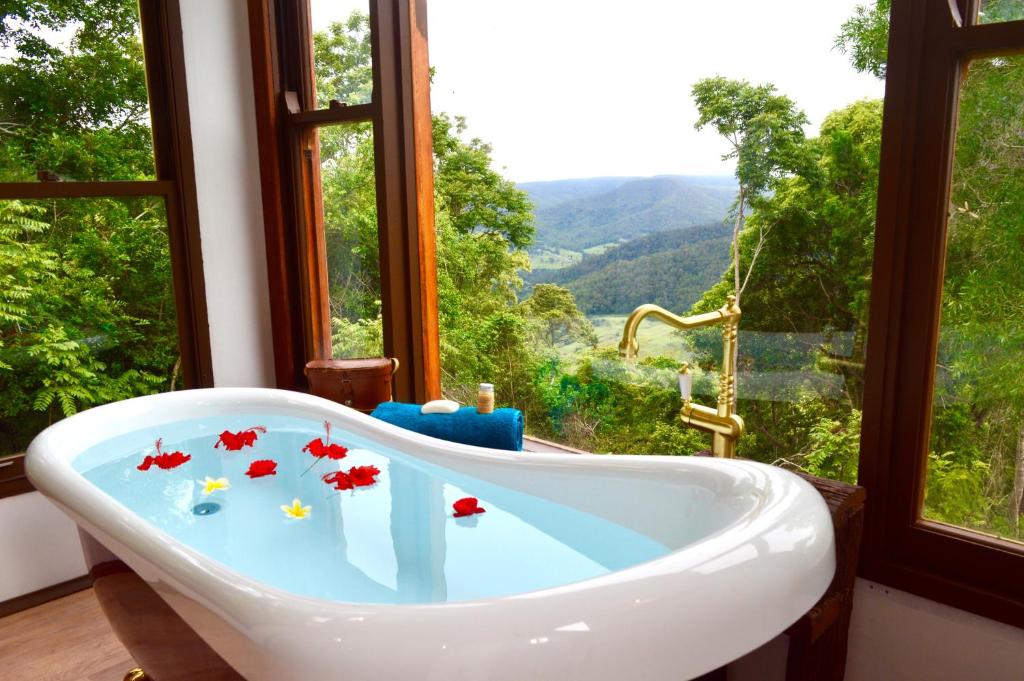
(928, 53)
(287, 119)
(175, 184)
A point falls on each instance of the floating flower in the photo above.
(323, 447)
(211, 485)
(357, 476)
(243, 438)
(297, 510)
(163, 460)
(261, 467)
(363, 476)
(467, 506)
(320, 449)
(339, 479)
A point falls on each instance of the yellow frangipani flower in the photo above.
(211, 485)
(297, 510)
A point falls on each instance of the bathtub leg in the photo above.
(136, 675)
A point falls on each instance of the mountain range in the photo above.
(618, 242)
(582, 213)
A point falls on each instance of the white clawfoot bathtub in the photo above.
(582, 567)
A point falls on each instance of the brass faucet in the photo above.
(725, 426)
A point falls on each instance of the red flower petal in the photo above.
(172, 460)
(262, 467)
(363, 476)
(243, 438)
(336, 452)
(316, 448)
(163, 460)
(467, 506)
(339, 479)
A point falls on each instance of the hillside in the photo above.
(670, 268)
(579, 214)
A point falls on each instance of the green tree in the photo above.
(765, 136)
(86, 305)
(560, 320)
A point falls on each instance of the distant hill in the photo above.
(548, 194)
(582, 213)
(671, 268)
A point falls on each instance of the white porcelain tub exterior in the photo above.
(675, 617)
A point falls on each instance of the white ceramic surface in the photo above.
(766, 559)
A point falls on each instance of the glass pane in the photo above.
(350, 229)
(341, 51)
(976, 458)
(87, 310)
(994, 11)
(73, 98)
(556, 221)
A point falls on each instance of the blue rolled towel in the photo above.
(501, 429)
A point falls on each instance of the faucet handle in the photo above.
(685, 378)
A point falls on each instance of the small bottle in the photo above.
(485, 399)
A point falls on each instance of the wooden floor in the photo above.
(63, 640)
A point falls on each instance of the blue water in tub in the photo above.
(394, 542)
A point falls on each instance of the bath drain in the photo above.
(206, 508)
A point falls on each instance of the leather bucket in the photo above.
(357, 383)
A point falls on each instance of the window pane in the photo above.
(341, 51)
(976, 459)
(350, 229)
(556, 221)
(993, 11)
(73, 98)
(87, 311)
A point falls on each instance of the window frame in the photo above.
(287, 118)
(929, 48)
(175, 184)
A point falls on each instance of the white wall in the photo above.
(40, 546)
(896, 636)
(218, 70)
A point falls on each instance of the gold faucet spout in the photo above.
(726, 427)
(630, 346)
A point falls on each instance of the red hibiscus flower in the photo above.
(163, 460)
(261, 467)
(321, 448)
(467, 506)
(243, 438)
(363, 476)
(339, 479)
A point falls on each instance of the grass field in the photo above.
(554, 259)
(656, 338)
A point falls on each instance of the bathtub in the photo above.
(578, 567)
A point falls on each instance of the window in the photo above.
(940, 445)
(101, 289)
(349, 204)
(541, 262)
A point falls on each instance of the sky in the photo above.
(589, 88)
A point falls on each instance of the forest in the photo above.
(87, 312)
